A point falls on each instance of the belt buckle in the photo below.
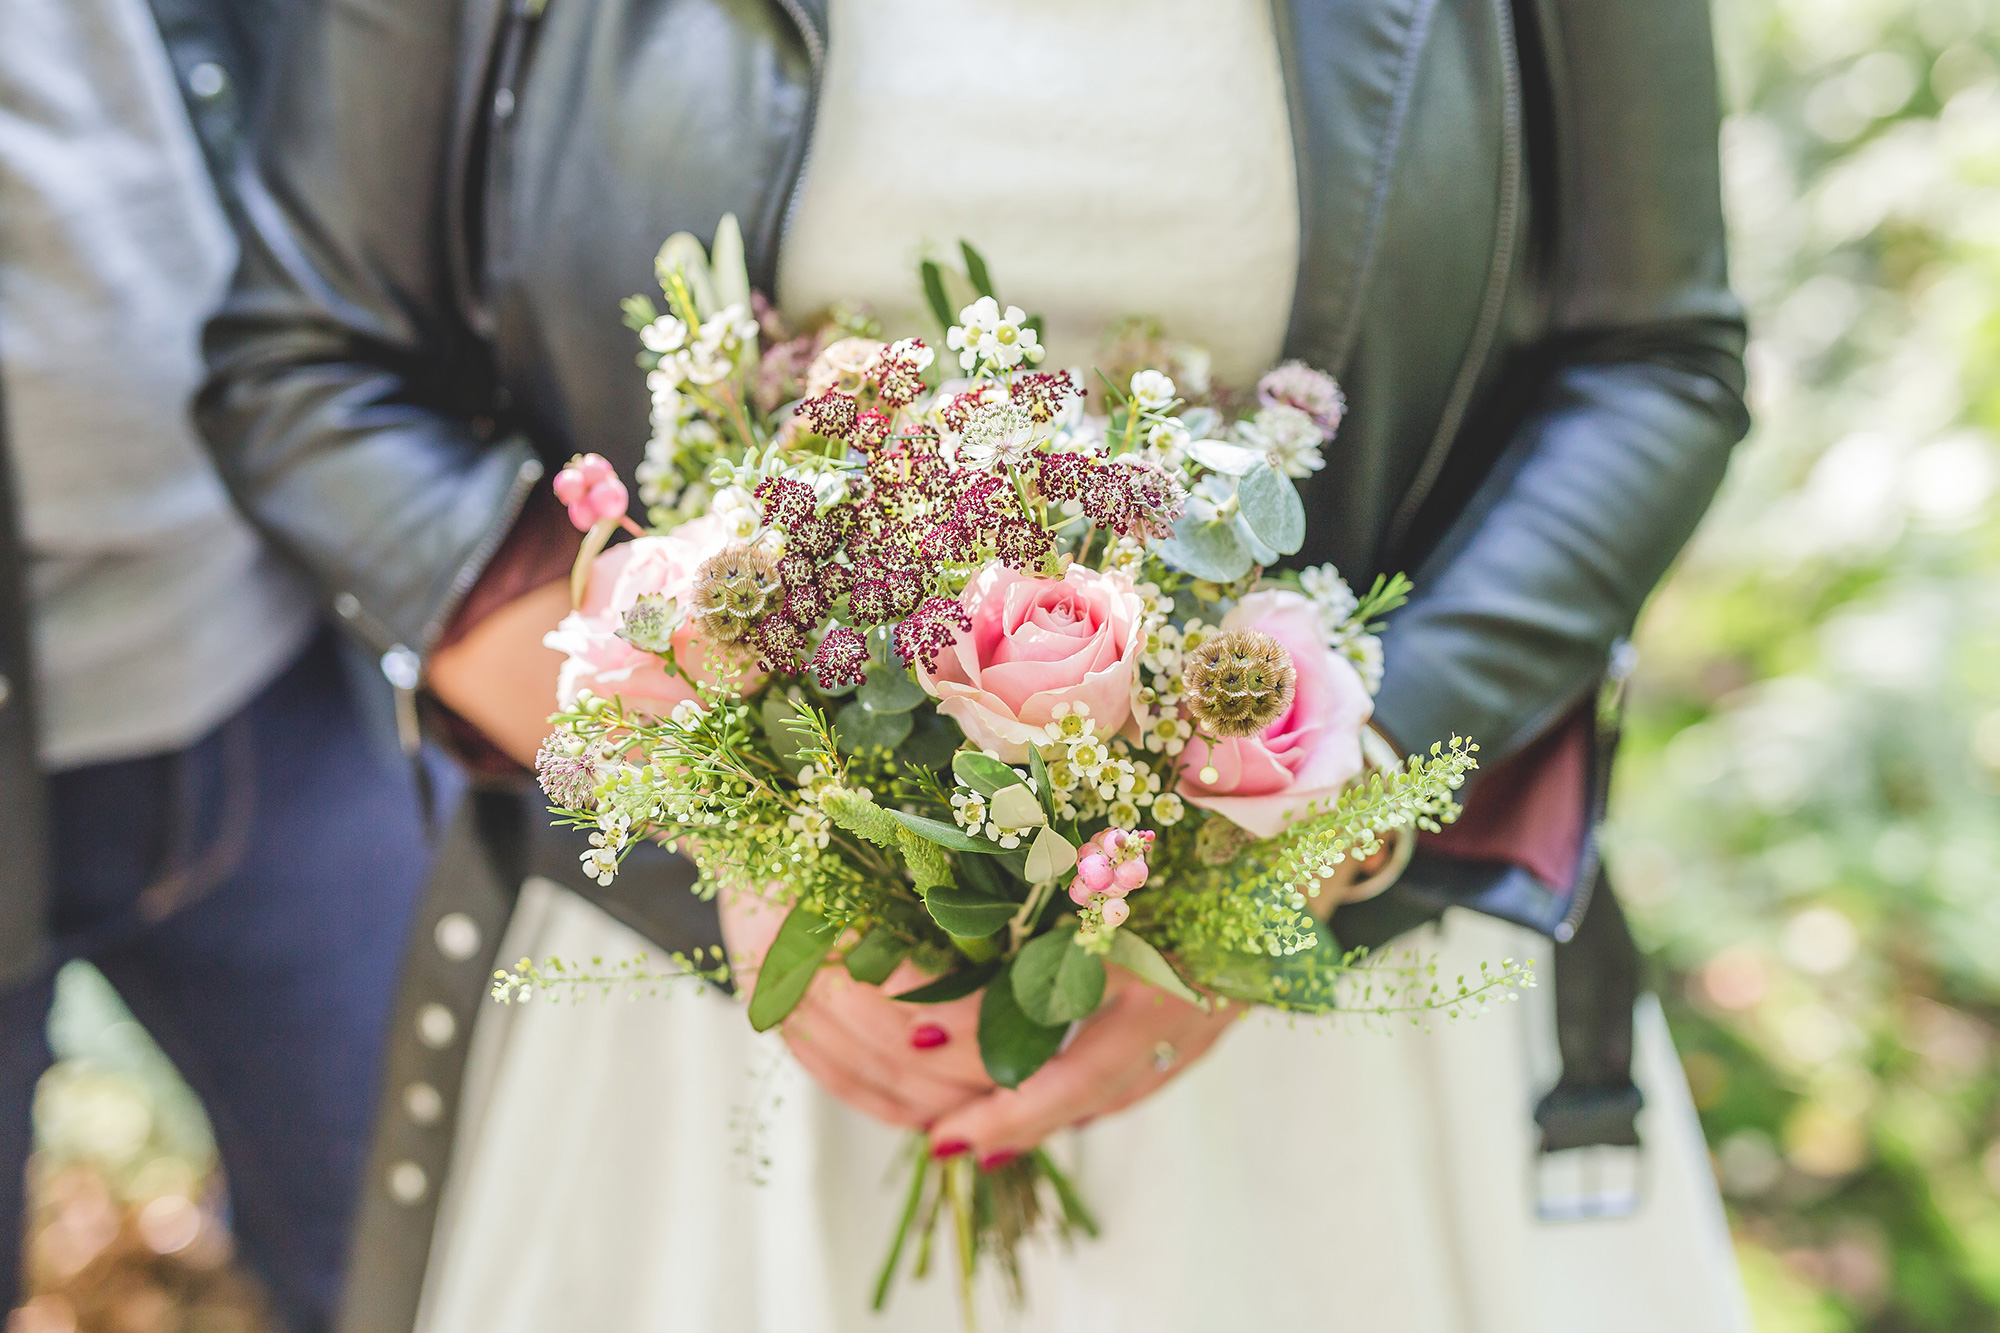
(1597, 1182)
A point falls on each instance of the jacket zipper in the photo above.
(1498, 274)
(816, 57)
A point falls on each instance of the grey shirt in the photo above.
(157, 610)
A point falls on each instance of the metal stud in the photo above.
(436, 1027)
(407, 1183)
(457, 936)
(423, 1103)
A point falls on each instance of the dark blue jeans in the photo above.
(249, 898)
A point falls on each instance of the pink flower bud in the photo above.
(1115, 912)
(1130, 875)
(590, 488)
(1095, 871)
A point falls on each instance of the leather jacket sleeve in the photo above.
(1636, 397)
(348, 403)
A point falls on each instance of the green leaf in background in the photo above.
(890, 690)
(1011, 1044)
(931, 742)
(953, 985)
(1207, 548)
(795, 957)
(1270, 504)
(975, 269)
(1056, 980)
(856, 728)
(1143, 961)
(983, 773)
(934, 295)
(970, 912)
(872, 959)
(941, 833)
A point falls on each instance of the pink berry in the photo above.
(1115, 912)
(1112, 840)
(1130, 875)
(1095, 871)
(1079, 892)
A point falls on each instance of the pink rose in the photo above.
(1307, 755)
(1034, 644)
(607, 665)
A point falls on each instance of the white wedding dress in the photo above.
(1301, 1177)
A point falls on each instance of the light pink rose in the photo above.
(607, 665)
(1034, 644)
(1307, 755)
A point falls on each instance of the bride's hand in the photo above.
(1136, 1043)
(907, 1064)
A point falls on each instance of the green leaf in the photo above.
(931, 741)
(973, 913)
(796, 954)
(941, 833)
(1043, 788)
(1056, 980)
(983, 773)
(639, 312)
(953, 985)
(1145, 962)
(1232, 460)
(890, 690)
(785, 743)
(726, 264)
(872, 960)
(988, 874)
(1208, 549)
(1051, 855)
(1270, 504)
(1015, 807)
(856, 729)
(1011, 1044)
(934, 293)
(975, 269)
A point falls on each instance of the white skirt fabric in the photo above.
(651, 1165)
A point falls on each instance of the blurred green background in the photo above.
(1807, 820)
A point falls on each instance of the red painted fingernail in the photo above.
(926, 1035)
(993, 1161)
(949, 1148)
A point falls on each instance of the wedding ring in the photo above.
(1164, 1056)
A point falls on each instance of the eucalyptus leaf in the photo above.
(875, 956)
(1011, 1044)
(1145, 962)
(931, 741)
(953, 985)
(941, 833)
(983, 773)
(1050, 855)
(1207, 549)
(1201, 422)
(1057, 980)
(969, 912)
(856, 729)
(802, 944)
(1271, 506)
(890, 690)
(1016, 807)
(1232, 460)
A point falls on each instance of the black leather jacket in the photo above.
(1512, 257)
(214, 47)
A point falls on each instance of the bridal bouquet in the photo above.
(964, 669)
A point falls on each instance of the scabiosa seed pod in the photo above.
(1134, 498)
(842, 659)
(1238, 682)
(1063, 476)
(779, 644)
(1024, 545)
(733, 589)
(930, 630)
(647, 625)
(787, 501)
(569, 780)
(832, 414)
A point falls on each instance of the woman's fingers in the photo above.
(943, 1039)
(895, 1072)
(1140, 1040)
